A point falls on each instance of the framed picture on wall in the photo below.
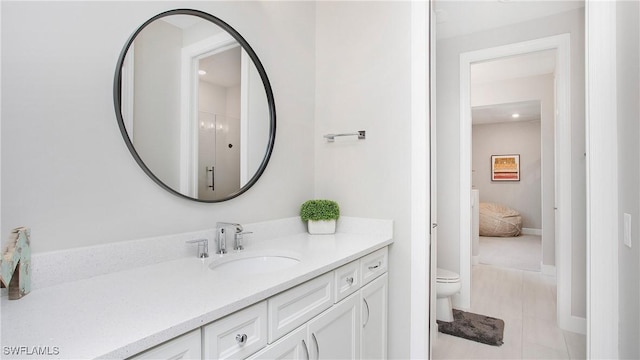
(505, 167)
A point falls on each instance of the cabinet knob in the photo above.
(241, 339)
(350, 280)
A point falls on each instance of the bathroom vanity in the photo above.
(333, 316)
(330, 303)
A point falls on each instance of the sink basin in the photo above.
(255, 262)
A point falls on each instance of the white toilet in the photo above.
(447, 284)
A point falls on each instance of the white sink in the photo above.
(255, 262)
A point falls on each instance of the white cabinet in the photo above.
(373, 340)
(237, 335)
(341, 314)
(347, 279)
(374, 264)
(335, 334)
(291, 346)
(296, 306)
(185, 347)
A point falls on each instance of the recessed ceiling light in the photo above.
(515, 115)
(202, 72)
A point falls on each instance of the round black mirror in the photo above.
(194, 106)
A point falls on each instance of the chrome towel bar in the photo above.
(360, 134)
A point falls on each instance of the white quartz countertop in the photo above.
(120, 314)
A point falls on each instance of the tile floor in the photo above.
(526, 301)
(522, 252)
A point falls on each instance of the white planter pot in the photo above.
(321, 227)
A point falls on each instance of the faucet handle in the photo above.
(203, 247)
(238, 240)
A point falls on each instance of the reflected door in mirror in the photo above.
(195, 106)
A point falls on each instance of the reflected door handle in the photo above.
(211, 176)
(434, 225)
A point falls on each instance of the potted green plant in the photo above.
(320, 215)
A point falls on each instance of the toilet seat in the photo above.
(446, 276)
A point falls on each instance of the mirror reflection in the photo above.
(195, 108)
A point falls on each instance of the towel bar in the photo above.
(360, 134)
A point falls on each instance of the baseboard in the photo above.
(574, 324)
(475, 260)
(548, 269)
(531, 231)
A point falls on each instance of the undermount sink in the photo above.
(257, 262)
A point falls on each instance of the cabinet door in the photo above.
(374, 319)
(184, 347)
(335, 334)
(291, 346)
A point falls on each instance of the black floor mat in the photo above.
(480, 328)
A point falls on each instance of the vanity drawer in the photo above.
(185, 347)
(347, 279)
(237, 335)
(374, 264)
(296, 306)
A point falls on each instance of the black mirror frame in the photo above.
(117, 100)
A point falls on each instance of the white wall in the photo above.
(256, 134)
(448, 126)
(66, 172)
(363, 82)
(541, 88)
(522, 138)
(156, 127)
(628, 82)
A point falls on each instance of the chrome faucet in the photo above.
(203, 247)
(221, 235)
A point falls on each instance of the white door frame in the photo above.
(419, 345)
(561, 43)
(602, 191)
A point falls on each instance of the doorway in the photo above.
(513, 107)
(562, 202)
(511, 131)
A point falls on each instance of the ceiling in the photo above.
(499, 113)
(223, 68)
(456, 18)
(181, 21)
(513, 67)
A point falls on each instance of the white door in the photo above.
(374, 312)
(335, 334)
